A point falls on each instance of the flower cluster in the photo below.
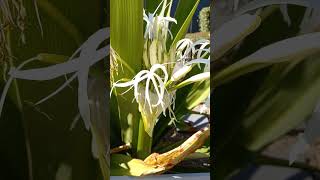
(155, 86)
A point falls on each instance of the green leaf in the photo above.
(199, 93)
(184, 13)
(126, 31)
(291, 103)
(61, 20)
(262, 3)
(193, 79)
(233, 32)
(151, 6)
(292, 49)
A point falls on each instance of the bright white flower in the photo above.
(157, 26)
(150, 114)
(150, 93)
(203, 49)
(183, 49)
(148, 76)
(187, 49)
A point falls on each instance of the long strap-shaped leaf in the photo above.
(126, 29)
(183, 15)
(233, 32)
(262, 3)
(292, 102)
(292, 49)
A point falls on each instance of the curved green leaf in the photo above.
(233, 32)
(262, 3)
(292, 49)
(292, 102)
(183, 15)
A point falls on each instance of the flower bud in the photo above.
(181, 73)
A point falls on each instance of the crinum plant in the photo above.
(159, 63)
(268, 78)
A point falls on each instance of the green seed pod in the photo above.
(52, 58)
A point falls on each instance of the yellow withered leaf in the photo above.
(158, 163)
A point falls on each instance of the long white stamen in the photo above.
(156, 80)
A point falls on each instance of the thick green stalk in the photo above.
(18, 102)
(126, 31)
(144, 142)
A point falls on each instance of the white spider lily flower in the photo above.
(150, 114)
(147, 76)
(187, 49)
(184, 47)
(157, 25)
(150, 93)
(204, 48)
(89, 54)
(156, 33)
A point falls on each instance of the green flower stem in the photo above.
(17, 100)
(144, 142)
